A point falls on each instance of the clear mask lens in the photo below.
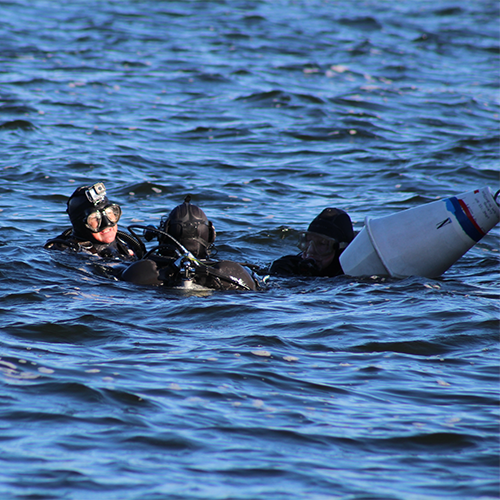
(94, 221)
(317, 244)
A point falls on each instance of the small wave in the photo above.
(17, 125)
(363, 23)
(163, 440)
(214, 133)
(18, 109)
(436, 442)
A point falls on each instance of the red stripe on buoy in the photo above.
(465, 208)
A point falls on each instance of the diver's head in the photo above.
(189, 225)
(92, 215)
(327, 236)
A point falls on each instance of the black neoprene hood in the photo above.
(334, 223)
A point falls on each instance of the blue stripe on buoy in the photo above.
(468, 225)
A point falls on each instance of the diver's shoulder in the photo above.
(64, 241)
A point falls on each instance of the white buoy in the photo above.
(421, 241)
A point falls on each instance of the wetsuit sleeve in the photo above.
(294, 264)
(142, 272)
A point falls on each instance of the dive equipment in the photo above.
(323, 245)
(189, 267)
(422, 241)
(96, 193)
(99, 219)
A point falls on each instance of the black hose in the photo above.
(496, 196)
(159, 231)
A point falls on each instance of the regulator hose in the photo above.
(496, 196)
(150, 229)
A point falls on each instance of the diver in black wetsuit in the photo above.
(322, 244)
(181, 259)
(94, 228)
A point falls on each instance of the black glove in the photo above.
(308, 267)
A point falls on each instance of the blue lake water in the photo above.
(266, 112)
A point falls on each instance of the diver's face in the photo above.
(107, 235)
(321, 250)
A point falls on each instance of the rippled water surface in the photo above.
(266, 112)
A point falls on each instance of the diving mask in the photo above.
(317, 243)
(98, 219)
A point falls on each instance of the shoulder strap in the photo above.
(129, 241)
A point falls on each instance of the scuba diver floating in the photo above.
(94, 228)
(182, 256)
(322, 244)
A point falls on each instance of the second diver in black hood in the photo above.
(182, 256)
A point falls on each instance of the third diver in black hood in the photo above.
(321, 246)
